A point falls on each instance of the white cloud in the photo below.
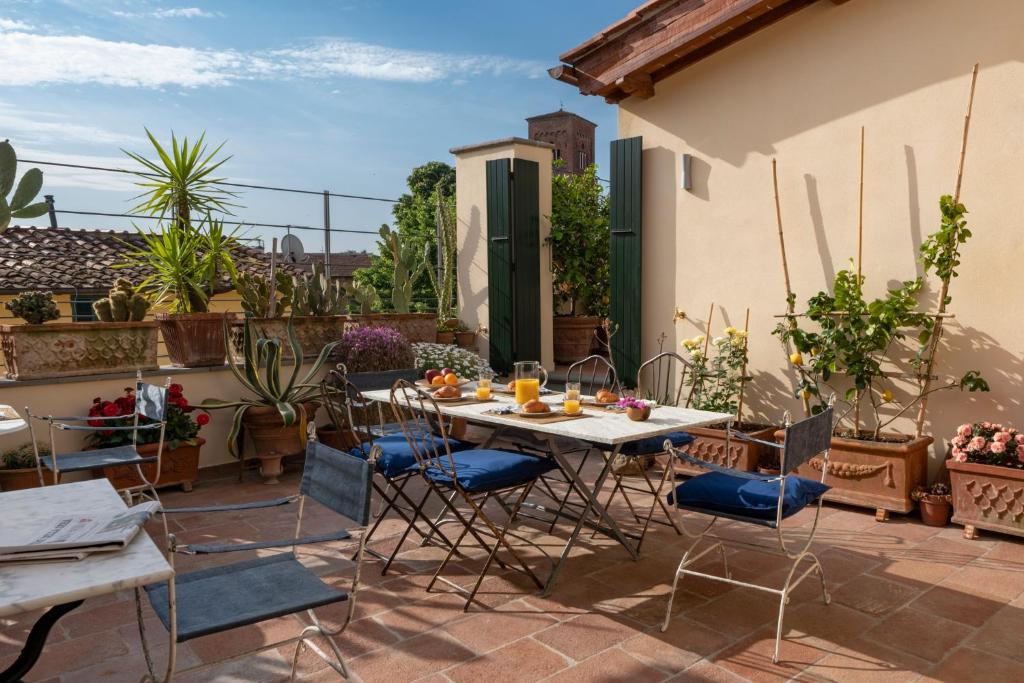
(40, 127)
(57, 176)
(13, 25)
(169, 13)
(31, 58)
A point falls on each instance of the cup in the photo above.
(483, 388)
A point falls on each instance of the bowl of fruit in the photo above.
(440, 378)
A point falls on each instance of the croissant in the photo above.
(536, 406)
(605, 396)
(448, 392)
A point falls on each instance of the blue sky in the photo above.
(346, 95)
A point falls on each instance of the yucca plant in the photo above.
(260, 374)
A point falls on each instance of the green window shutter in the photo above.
(625, 200)
(526, 259)
(499, 263)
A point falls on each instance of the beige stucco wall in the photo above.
(799, 91)
(471, 211)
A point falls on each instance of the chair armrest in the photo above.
(746, 437)
(236, 506)
(211, 548)
(75, 418)
(106, 428)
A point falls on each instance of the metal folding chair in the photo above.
(396, 466)
(661, 379)
(150, 403)
(758, 499)
(221, 598)
(475, 476)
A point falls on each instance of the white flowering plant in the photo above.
(716, 376)
(464, 362)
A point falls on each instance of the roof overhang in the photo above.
(660, 38)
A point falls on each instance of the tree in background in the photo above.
(416, 222)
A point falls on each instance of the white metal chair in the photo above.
(763, 500)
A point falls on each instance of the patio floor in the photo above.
(910, 602)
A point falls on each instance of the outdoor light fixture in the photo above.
(687, 177)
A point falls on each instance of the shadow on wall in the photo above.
(661, 267)
(470, 253)
(828, 268)
(700, 176)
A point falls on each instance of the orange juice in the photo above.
(527, 390)
(483, 393)
(571, 406)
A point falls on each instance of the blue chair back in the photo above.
(806, 439)
(151, 401)
(417, 412)
(338, 481)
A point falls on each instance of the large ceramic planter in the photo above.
(572, 337)
(987, 497)
(709, 445)
(416, 327)
(272, 440)
(23, 478)
(194, 340)
(178, 467)
(872, 474)
(74, 349)
(313, 332)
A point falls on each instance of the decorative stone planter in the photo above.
(194, 340)
(709, 445)
(416, 327)
(572, 337)
(272, 440)
(872, 474)
(73, 349)
(987, 497)
(314, 332)
(178, 467)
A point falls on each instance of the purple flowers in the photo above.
(375, 349)
(631, 402)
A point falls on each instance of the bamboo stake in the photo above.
(944, 292)
(743, 372)
(790, 298)
(273, 278)
(860, 210)
(707, 339)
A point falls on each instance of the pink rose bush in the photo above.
(988, 443)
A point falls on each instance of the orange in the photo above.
(437, 381)
(451, 378)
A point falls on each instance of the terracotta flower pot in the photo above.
(194, 340)
(465, 339)
(178, 466)
(638, 414)
(340, 440)
(572, 336)
(987, 497)
(23, 478)
(934, 510)
(272, 440)
(445, 337)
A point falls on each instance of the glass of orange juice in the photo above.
(571, 404)
(483, 387)
(528, 376)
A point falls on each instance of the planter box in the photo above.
(23, 478)
(313, 332)
(179, 466)
(572, 337)
(872, 474)
(987, 497)
(74, 349)
(371, 381)
(416, 327)
(194, 340)
(709, 445)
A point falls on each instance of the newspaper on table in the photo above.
(73, 536)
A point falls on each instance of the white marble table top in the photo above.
(11, 422)
(25, 587)
(602, 428)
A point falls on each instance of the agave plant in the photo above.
(260, 375)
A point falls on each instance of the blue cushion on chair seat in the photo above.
(656, 444)
(396, 456)
(94, 459)
(745, 498)
(489, 469)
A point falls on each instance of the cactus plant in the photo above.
(365, 295)
(409, 266)
(317, 294)
(20, 204)
(35, 308)
(254, 289)
(123, 304)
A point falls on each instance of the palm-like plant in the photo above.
(182, 183)
(260, 375)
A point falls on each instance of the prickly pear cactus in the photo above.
(35, 308)
(365, 295)
(123, 304)
(20, 203)
(317, 294)
(409, 266)
(254, 290)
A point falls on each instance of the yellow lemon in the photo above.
(814, 350)
(887, 396)
(796, 358)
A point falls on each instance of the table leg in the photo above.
(35, 642)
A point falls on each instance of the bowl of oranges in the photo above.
(439, 378)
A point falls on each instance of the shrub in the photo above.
(464, 362)
(375, 349)
(182, 427)
(21, 457)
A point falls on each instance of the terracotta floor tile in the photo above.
(78, 653)
(751, 658)
(1005, 584)
(737, 613)
(585, 635)
(904, 630)
(684, 643)
(913, 572)
(706, 672)
(967, 665)
(956, 605)
(411, 659)
(220, 646)
(525, 660)
(862, 661)
(487, 631)
(608, 666)
(874, 596)
(818, 622)
(1003, 634)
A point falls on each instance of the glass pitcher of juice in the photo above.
(530, 377)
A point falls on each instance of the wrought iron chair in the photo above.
(150, 403)
(221, 598)
(474, 476)
(353, 417)
(660, 378)
(764, 500)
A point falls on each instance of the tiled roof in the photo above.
(66, 260)
(343, 263)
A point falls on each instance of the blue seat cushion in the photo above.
(397, 457)
(95, 459)
(656, 444)
(225, 597)
(489, 469)
(754, 499)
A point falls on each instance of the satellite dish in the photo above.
(291, 249)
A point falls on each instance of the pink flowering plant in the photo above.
(989, 443)
(633, 402)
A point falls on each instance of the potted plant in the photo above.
(446, 331)
(179, 461)
(43, 350)
(375, 357)
(637, 409)
(464, 337)
(18, 468)
(19, 205)
(579, 261)
(275, 413)
(986, 471)
(934, 503)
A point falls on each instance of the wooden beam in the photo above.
(639, 84)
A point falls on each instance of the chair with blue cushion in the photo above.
(762, 500)
(475, 477)
(353, 417)
(224, 597)
(150, 415)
